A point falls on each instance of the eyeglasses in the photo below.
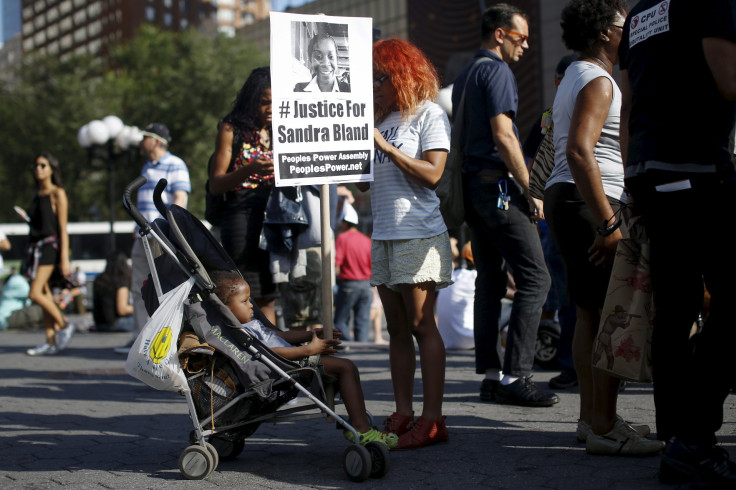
(620, 26)
(41, 165)
(522, 37)
(379, 81)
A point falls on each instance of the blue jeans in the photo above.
(691, 243)
(355, 297)
(499, 235)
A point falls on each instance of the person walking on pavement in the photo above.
(161, 164)
(48, 249)
(682, 181)
(501, 213)
(353, 271)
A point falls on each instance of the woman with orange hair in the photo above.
(411, 255)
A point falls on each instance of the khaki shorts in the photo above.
(412, 261)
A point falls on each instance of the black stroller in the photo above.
(235, 381)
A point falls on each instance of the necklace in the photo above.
(598, 62)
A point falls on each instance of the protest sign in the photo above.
(322, 99)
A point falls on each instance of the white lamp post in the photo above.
(110, 137)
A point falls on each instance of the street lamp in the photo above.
(108, 139)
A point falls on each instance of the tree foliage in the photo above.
(185, 80)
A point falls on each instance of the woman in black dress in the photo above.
(48, 249)
(243, 171)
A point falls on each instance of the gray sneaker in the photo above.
(584, 429)
(622, 440)
(42, 350)
(64, 335)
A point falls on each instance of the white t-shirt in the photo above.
(607, 149)
(455, 310)
(403, 209)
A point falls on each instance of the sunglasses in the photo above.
(379, 81)
(35, 165)
(522, 37)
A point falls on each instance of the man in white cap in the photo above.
(353, 270)
(161, 164)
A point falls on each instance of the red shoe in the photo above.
(398, 423)
(423, 433)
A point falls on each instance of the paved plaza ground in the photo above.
(78, 420)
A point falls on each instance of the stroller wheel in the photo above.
(196, 463)
(214, 454)
(379, 459)
(227, 450)
(357, 462)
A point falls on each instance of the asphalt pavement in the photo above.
(77, 419)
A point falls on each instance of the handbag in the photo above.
(450, 188)
(154, 358)
(543, 162)
(623, 345)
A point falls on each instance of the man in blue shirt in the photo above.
(161, 164)
(501, 213)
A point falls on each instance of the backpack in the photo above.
(214, 205)
(450, 188)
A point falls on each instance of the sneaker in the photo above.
(423, 433)
(525, 393)
(488, 388)
(388, 438)
(708, 466)
(566, 379)
(397, 423)
(622, 440)
(125, 349)
(584, 429)
(64, 335)
(42, 350)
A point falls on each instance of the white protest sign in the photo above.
(322, 99)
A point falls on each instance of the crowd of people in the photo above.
(618, 151)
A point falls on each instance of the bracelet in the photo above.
(607, 229)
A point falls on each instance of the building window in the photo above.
(65, 7)
(80, 3)
(53, 31)
(94, 28)
(228, 31)
(66, 23)
(80, 35)
(150, 14)
(66, 42)
(184, 23)
(168, 3)
(40, 38)
(225, 15)
(52, 14)
(94, 9)
(27, 44)
(168, 19)
(80, 17)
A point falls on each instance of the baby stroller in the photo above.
(235, 382)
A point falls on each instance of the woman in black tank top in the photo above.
(48, 248)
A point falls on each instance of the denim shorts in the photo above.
(412, 261)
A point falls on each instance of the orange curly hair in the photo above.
(411, 73)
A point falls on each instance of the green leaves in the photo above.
(185, 80)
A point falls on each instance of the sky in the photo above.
(281, 5)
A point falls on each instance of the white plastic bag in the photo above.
(153, 358)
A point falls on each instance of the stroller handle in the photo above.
(131, 208)
(157, 201)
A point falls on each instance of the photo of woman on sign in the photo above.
(325, 57)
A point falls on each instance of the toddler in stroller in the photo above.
(305, 348)
(231, 380)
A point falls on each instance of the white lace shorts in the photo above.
(412, 261)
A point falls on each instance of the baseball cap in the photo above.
(349, 213)
(157, 131)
